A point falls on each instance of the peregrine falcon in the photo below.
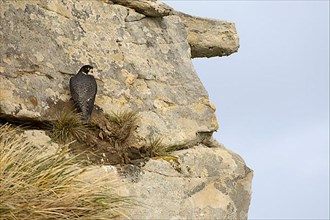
(83, 89)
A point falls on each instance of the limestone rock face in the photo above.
(204, 183)
(152, 8)
(196, 183)
(206, 37)
(141, 53)
(142, 64)
(209, 38)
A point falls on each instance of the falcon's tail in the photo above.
(85, 116)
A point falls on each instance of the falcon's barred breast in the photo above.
(83, 90)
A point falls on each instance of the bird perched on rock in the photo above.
(83, 90)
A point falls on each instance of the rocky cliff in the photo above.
(141, 52)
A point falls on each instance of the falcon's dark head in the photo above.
(86, 69)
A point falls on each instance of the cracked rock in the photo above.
(213, 184)
(141, 63)
(141, 52)
(151, 8)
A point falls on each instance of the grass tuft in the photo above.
(157, 148)
(123, 125)
(34, 185)
(68, 127)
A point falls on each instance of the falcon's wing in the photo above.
(74, 90)
(92, 91)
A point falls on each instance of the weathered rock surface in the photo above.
(206, 37)
(142, 63)
(196, 183)
(204, 183)
(152, 8)
(209, 38)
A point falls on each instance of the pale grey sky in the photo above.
(272, 100)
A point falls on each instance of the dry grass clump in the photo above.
(104, 140)
(34, 185)
(158, 150)
(68, 127)
(156, 147)
(123, 125)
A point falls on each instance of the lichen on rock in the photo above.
(142, 65)
(141, 53)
